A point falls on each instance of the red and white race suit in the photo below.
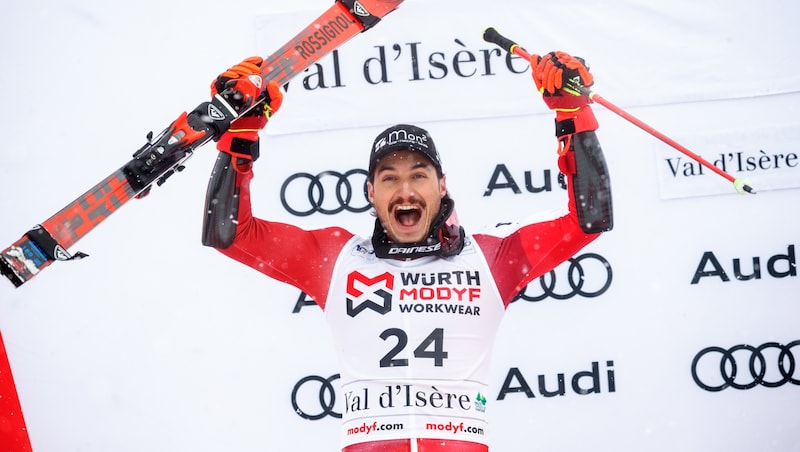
(413, 337)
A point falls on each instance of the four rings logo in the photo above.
(588, 275)
(744, 366)
(313, 390)
(328, 193)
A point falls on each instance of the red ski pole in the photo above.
(741, 185)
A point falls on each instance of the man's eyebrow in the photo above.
(389, 166)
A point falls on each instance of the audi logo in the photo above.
(328, 193)
(313, 390)
(591, 281)
(745, 366)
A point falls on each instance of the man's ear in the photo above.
(443, 187)
(371, 192)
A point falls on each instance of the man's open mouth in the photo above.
(407, 215)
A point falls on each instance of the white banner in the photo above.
(428, 61)
(675, 331)
(765, 155)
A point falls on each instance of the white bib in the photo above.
(414, 341)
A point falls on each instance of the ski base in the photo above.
(22, 261)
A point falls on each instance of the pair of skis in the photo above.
(164, 155)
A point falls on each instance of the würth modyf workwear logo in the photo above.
(377, 293)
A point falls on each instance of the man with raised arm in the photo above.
(412, 381)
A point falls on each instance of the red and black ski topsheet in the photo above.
(164, 154)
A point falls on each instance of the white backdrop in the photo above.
(157, 343)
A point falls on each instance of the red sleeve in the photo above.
(532, 250)
(304, 259)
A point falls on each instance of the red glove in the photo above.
(241, 86)
(559, 76)
(556, 70)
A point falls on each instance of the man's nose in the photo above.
(405, 190)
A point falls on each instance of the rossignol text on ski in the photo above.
(165, 153)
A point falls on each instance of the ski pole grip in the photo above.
(491, 35)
